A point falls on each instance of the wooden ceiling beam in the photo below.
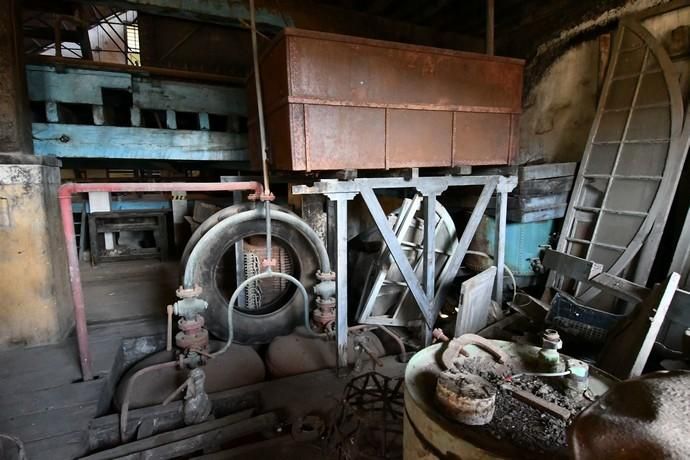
(307, 14)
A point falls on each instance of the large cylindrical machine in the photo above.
(269, 307)
(523, 426)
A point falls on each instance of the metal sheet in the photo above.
(358, 70)
(413, 91)
(416, 138)
(355, 136)
(481, 138)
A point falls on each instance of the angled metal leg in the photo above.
(455, 262)
(397, 253)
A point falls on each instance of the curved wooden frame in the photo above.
(677, 147)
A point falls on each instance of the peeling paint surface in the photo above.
(34, 299)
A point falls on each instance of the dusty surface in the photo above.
(523, 425)
(129, 289)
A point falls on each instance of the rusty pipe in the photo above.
(124, 410)
(65, 193)
(75, 282)
(67, 190)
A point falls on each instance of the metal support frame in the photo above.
(430, 293)
(340, 263)
(502, 210)
(429, 255)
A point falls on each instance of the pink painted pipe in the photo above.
(65, 193)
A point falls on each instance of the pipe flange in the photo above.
(196, 341)
(186, 293)
(326, 303)
(329, 276)
(191, 325)
(551, 340)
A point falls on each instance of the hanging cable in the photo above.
(259, 99)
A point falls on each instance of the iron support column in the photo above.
(501, 213)
(341, 327)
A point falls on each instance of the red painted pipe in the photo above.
(65, 193)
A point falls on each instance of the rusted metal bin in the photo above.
(339, 102)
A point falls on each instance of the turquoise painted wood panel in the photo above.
(85, 141)
(523, 241)
(188, 97)
(82, 86)
(127, 205)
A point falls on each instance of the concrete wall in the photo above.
(35, 305)
(559, 109)
(558, 112)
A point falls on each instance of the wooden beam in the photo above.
(240, 418)
(619, 287)
(571, 266)
(306, 14)
(628, 347)
(136, 70)
(591, 273)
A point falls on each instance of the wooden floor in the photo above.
(129, 289)
(44, 402)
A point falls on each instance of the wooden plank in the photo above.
(539, 403)
(545, 186)
(49, 399)
(86, 141)
(534, 172)
(547, 171)
(105, 431)
(571, 266)
(248, 450)
(67, 445)
(72, 85)
(475, 302)
(672, 334)
(170, 436)
(628, 346)
(215, 438)
(619, 287)
(188, 97)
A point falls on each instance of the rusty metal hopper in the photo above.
(339, 102)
